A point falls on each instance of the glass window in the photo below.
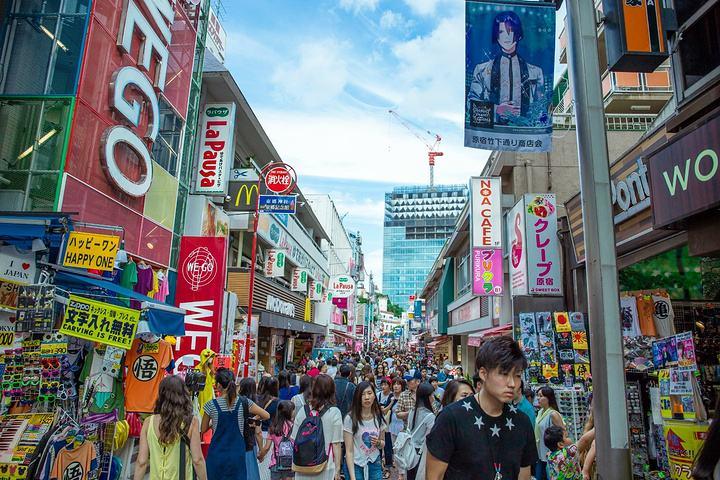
(166, 148)
(698, 62)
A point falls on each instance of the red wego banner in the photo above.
(200, 286)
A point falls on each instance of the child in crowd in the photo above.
(562, 463)
(279, 434)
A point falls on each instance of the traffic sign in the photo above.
(280, 179)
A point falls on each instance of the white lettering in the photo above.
(120, 134)
(632, 194)
(123, 78)
(274, 304)
(163, 14)
(678, 177)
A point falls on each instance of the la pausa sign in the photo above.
(342, 286)
(215, 154)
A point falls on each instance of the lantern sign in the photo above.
(280, 179)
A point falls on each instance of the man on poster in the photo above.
(508, 81)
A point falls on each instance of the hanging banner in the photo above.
(487, 272)
(274, 263)
(299, 280)
(683, 441)
(91, 251)
(518, 249)
(485, 212)
(510, 61)
(100, 322)
(216, 148)
(316, 290)
(199, 290)
(544, 274)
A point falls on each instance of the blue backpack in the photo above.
(309, 455)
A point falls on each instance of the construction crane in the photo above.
(432, 148)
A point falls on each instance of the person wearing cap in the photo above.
(407, 398)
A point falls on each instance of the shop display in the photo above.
(638, 434)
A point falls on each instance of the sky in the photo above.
(321, 76)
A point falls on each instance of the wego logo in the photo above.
(199, 268)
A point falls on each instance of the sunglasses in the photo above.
(47, 397)
(31, 380)
(50, 363)
(51, 373)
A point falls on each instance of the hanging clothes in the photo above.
(128, 279)
(146, 364)
(163, 287)
(74, 463)
(155, 285)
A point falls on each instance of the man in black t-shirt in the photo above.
(485, 436)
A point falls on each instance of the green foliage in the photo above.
(675, 271)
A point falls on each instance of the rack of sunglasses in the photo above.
(636, 423)
(573, 406)
(20, 436)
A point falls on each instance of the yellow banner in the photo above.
(91, 251)
(100, 322)
(683, 441)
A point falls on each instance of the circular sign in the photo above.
(280, 179)
(199, 268)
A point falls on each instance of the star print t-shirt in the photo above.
(471, 442)
(146, 364)
(363, 450)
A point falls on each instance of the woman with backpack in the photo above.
(281, 453)
(420, 423)
(268, 392)
(364, 428)
(318, 434)
(226, 415)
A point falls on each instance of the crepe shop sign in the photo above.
(152, 46)
(543, 255)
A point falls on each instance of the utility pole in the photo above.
(606, 348)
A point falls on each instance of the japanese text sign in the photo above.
(215, 155)
(299, 280)
(277, 204)
(100, 322)
(91, 251)
(274, 263)
(280, 179)
(485, 212)
(316, 290)
(487, 271)
(544, 275)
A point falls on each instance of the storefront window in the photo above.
(33, 133)
(682, 276)
(42, 50)
(462, 276)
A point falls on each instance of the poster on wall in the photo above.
(683, 441)
(487, 272)
(510, 61)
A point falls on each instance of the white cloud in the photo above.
(318, 75)
(359, 5)
(390, 20)
(424, 7)
(374, 264)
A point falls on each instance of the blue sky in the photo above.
(321, 76)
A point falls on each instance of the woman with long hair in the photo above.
(385, 398)
(279, 432)
(707, 462)
(285, 388)
(253, 434)
(322, 402)
(226, 457)
(420, 423)
(303, 395)
(456, 390)
(166, 432)
(380, 373)
(364, 433)
(268, 392)
(548, 415)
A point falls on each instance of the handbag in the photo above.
(185, 445)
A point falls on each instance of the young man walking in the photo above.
(485, 436)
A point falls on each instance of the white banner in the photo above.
(544, 274)
(485, 212)
(274, 263)
(316, 290)
(216, 148)
(342, 286)
(299, 280)
(517, 248)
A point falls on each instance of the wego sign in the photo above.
(152, 46)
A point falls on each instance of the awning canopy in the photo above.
(21, 228)
(432, 345)
(476, 339)
(342, 334)
(281, 322)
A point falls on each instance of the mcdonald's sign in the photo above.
(243, 197)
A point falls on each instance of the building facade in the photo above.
(418, 221)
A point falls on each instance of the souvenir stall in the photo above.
(81, 355)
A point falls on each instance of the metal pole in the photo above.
(248, 335)
(611, 440)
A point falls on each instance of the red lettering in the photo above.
(212, 134)
(485, 212)
(486, 192)
(208, 155)
(216, 123)
(206, 182)
(486, 223)
(208, 165)
(485, 184)
(217, 146)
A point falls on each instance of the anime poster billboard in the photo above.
(509, 62)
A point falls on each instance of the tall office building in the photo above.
(418, 220)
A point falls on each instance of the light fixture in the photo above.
(640, 108)
(52, 37)
(42, 140)
(150, 245)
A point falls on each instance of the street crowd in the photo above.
(384, 414)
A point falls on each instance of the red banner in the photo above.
(200, 286)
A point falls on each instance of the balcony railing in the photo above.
(613, 122)
(622, 82)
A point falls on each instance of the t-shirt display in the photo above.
(363, 449)
(472, 442)
(146, 364)
(73, 464)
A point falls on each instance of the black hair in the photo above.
(709, 454)
(267, 390)
(452, 388)
(511, 20)
(500, 352)
(549, 393)
(477, 380)
(345, 370)
(283, 379)
(432, 379)
(385, 380)
(422, 399)
(225, 378)
(553, 436)
(283, 415)
(248, 388)
(355, 412)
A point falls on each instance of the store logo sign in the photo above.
(199, 268)
(274, 304)
(216, 154)
(152, 46)
(632, 194)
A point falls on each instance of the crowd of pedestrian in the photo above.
(368, 417)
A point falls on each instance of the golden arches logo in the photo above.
(249, 190)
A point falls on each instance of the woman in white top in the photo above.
(323, 398)
(364, 433)
(420, 423)
(548, 415)
(301, 399)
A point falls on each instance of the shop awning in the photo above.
(163, 319)
(476, 339)
(21, 228)
(432, 345)
(342, 334)
(274, 320)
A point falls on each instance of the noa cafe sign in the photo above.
(342, 286)
(154, 38)
(685, 175)
(215, 151)
(486, 212)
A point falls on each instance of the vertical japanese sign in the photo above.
(299, 280)
(518, 249)
(200, 285)
(316, 290)
(274, 263)
(486, 236)
(510, 61)
(487, 276)
(216, 149)
(544, 275)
